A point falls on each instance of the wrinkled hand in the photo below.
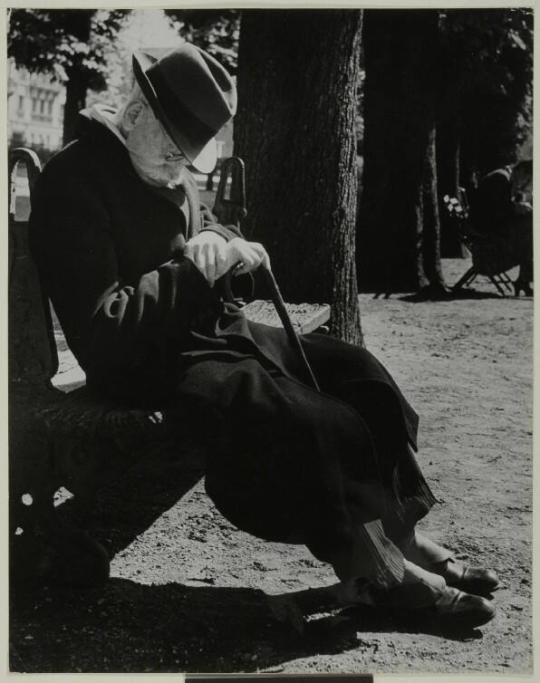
(214, 256)
(250, 255)
(208, 251)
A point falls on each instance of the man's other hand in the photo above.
(249, 254)
(214, 256)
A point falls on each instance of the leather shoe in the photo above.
(456, 609)
(447, 608)
(475, 580)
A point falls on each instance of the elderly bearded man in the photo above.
(333, 470)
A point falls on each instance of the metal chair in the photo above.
(491, 256)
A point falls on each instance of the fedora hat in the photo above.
(191, 95)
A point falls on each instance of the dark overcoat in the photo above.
(492, 209)
(333, 470)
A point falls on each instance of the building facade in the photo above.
(35, 109)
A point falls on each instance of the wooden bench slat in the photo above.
(305, 318)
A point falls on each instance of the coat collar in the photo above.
(104, 115)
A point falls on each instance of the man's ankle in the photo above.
(416, 574)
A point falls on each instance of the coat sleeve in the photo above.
(112, 326)
(210, 222)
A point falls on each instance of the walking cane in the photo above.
(232, 209)
(281, 309)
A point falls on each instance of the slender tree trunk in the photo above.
(297, 78)
(76, 90)
(78, 76)
(401, 92)
(448, 179)
(430, 256)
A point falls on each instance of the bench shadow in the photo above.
(129, 499)
(129, 627)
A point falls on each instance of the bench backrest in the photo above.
(33, 358)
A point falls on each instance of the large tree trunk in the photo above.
(395, 252)
(297, 79)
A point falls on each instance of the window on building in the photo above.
(20, 109)
(49, 108)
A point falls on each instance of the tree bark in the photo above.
(394, 252)
(297, 78)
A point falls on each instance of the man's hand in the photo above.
(250, 254)
(209, 252)
(214, 256)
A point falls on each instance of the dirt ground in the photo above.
(189, 592)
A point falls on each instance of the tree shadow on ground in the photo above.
(130, 627)
(451, 295)
(467, 294)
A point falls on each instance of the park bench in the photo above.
(62, 436)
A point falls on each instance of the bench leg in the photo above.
(468, 277)
(494, 280)
(47, 546)
(507, 282)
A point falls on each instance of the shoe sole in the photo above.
(429, 620)
(472, 589)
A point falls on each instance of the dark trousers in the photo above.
(333, 470)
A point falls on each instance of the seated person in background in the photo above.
(502, 207)
(136, 295)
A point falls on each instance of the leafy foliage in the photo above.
(488, 63)
(59, 42)
(216, 31)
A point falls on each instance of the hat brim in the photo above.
(206, 161)
(202, 158)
